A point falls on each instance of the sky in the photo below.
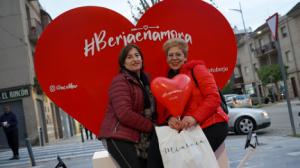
(255, 11)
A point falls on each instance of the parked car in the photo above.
(229, 99)
(241, 101)
(242, 120)
(255, 99)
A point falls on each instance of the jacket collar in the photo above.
(130, 77)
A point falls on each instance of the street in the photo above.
(280, 118)
(276, 147)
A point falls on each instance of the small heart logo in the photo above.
(172, 93)
(77, 55)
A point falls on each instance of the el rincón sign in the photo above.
(14, 93)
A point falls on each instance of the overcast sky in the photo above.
(255, 11)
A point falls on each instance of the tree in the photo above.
(270, 74)
(228, 88)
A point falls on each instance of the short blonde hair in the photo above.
(176, 42)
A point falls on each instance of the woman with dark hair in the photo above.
(128, 122)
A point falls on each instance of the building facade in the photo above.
(40, 120)
(257, 49)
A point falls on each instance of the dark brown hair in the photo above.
(124, 53)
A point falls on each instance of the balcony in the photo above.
(35, 30)
(238, 80)
(265, 49)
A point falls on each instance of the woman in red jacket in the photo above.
(128, 122)
(203, 107)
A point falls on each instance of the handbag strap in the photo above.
(223, 103)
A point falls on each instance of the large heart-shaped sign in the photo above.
(77, 55)
(172, 93)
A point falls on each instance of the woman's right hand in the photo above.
(175, 123)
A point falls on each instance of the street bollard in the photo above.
(29, 149)
(256, 139)
(41, 137)
(299, 116)
(81, 133)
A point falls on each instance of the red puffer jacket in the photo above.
(123, 118)
(204, 103)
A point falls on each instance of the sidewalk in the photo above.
(295, 101)
(273, 152)
(69, 150)
(74, 139)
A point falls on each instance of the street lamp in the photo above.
(241, 12)
(249, 49)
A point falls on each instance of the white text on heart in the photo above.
(99, 41)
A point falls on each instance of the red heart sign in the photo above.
(172, 93)
(77, 55)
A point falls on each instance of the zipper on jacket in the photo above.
(117, 125)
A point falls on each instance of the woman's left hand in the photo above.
(188, 121)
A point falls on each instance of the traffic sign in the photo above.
(272, 22)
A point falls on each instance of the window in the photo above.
(260, 42)
(246, 69)
(289, 57)
(283, 31)
(253, 55)
(255, 66)
(251, 47)
(236, 73)
(270, 37)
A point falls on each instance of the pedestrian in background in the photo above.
(88, 134)
(9, 123)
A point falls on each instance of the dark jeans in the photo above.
(216, 134)
(13, 141)
(154, 157)
(125, 154)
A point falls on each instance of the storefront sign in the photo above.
(14, 93)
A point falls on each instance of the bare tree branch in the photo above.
(132, 11)
(152, 2)
(142, 2)
(146, 3)
(137, 10)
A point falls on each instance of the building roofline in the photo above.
(294, 9)
(43, 12)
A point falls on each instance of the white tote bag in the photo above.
(187, 149)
